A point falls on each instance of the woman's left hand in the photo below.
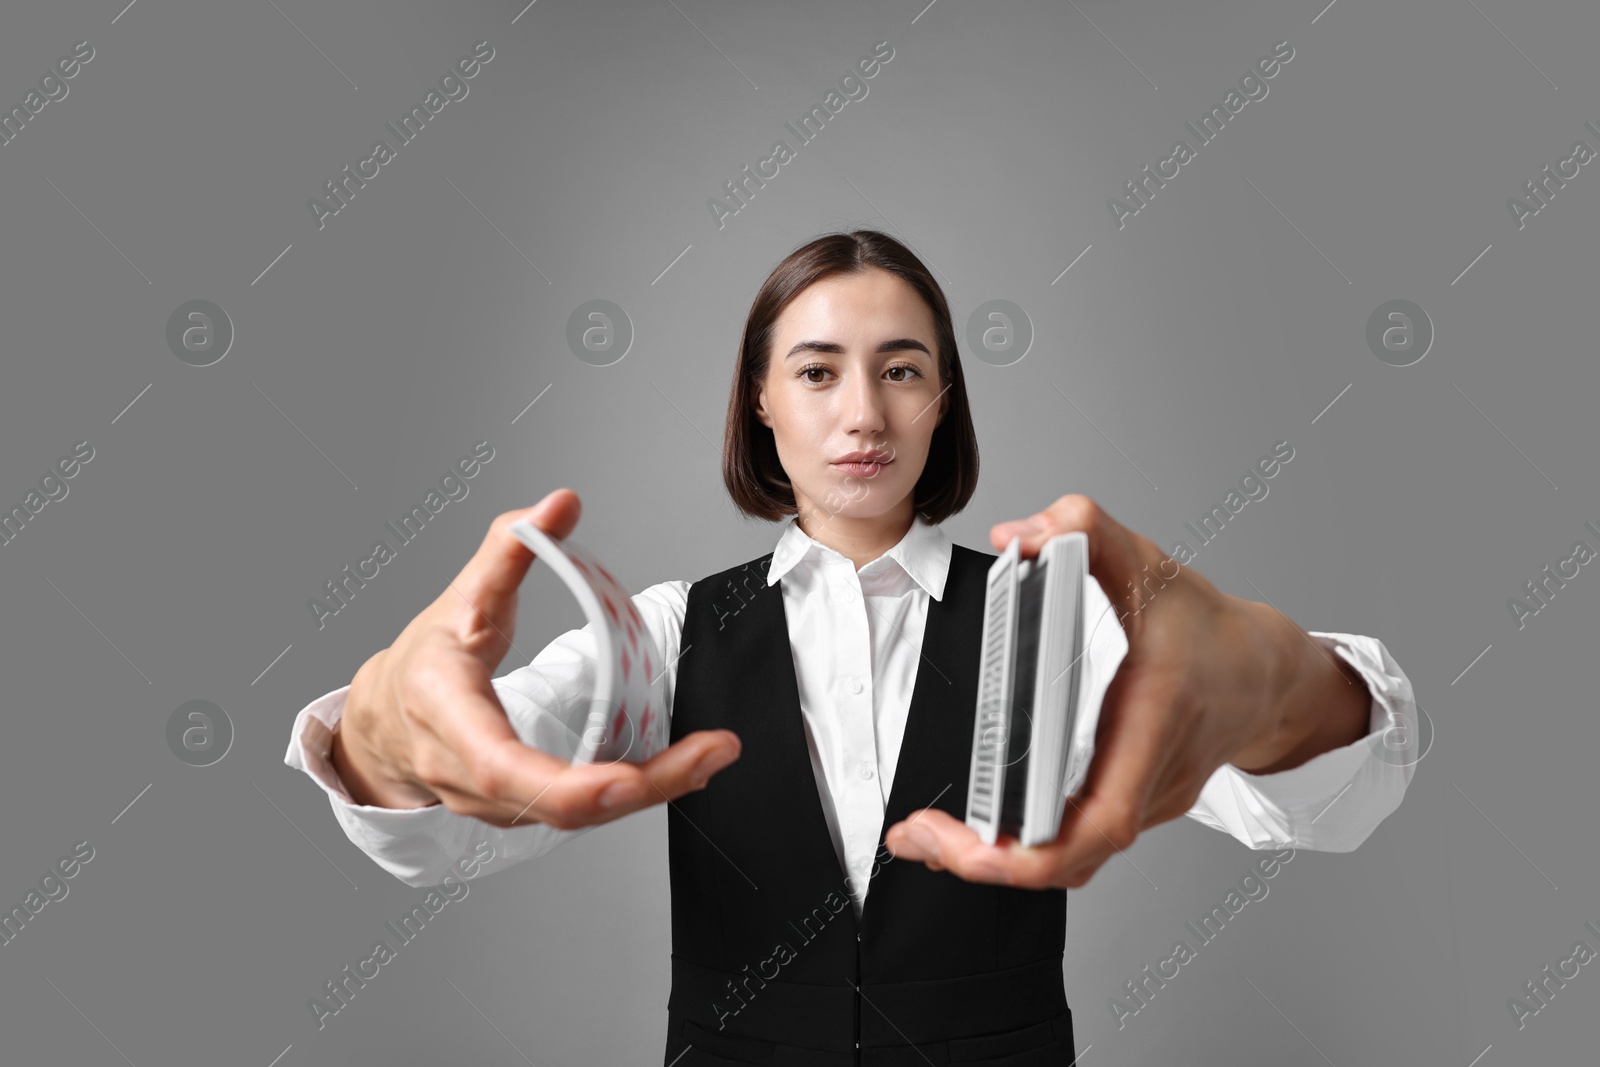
(1208, 679)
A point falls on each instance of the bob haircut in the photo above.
(750, 468)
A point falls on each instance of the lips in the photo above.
(863, 464)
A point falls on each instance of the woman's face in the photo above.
(854, 368)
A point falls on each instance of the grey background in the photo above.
(374, 352)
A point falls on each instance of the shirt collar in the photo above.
(923, 555)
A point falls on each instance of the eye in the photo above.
(912, 372)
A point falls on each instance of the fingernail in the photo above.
(710, 765)
(617, 794)
(1023, 527)
(923, 841)
(988, 869)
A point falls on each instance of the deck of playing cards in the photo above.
(1033, 737)
(621, 721)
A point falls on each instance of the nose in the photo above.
(863, 405)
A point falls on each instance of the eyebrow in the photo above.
(899, 344)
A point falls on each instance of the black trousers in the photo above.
(1045, 1044)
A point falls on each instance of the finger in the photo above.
(488, 583)
(688, 764)
(581, 794)
(945, 843)
(492, 812)
(1131, 750)
(487, 762)
(474, 750)
(1072, 512)
(1127, 565)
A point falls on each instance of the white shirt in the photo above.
(856, 637)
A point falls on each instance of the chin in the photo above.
(876, 505)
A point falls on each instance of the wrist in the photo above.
(1282, 729)
(365, 784)
(1317, 701)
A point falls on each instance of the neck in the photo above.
(859, 539)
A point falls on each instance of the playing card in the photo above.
(622, 721)
(1034, 726)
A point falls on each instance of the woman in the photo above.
(853, 646)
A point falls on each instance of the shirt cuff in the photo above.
(311, 739)
(1333, 801)
(310, 750)
(416, 845)
(419, 846)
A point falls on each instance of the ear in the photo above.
(759, 405)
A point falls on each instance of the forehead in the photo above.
(867, 304)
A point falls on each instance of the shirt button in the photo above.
(854, 685)
(848, 595)
(864, 771)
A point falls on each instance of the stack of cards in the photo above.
(621, 721)
(1033, 737)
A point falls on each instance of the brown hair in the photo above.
(750, 467)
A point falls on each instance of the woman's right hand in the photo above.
(422, 724)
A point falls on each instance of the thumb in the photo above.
(1120, 559)
(492, 576)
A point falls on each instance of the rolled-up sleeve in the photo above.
(1334, 801)
(420, 846)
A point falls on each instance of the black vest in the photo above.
(769, 961)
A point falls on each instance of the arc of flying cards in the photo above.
(622, 720)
